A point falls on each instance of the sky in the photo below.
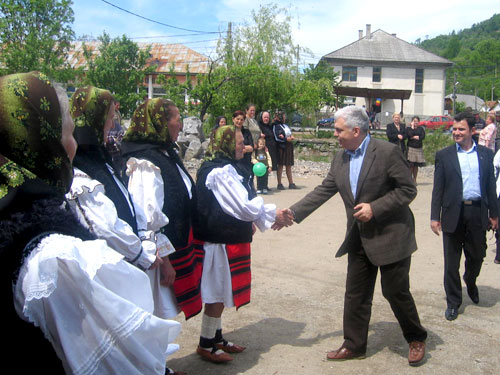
(321, 26)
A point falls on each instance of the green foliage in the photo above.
(435, 141)
(36, 35)
(176, 91)
(256, 65)
(120, 67)
(476, 54)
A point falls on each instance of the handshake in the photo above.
(284, 218)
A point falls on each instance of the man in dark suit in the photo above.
(463, 206)
(376, 186)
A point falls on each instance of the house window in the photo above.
(349, 73)
(419, 81)
(377, 74)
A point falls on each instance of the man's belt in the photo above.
(476, 202)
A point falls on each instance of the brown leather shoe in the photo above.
(343, 354)
(416, 352)
(214, 357)
(229, 347)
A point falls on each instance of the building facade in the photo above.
(386, 75)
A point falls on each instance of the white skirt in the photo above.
(216, 283)
(95, 308)
(166, 306)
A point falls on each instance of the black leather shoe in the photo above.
(473, 294)
(451, 314)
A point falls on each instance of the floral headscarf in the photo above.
(149, 123)
(89, 109)
(222, 143)
(30, 134)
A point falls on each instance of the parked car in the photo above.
(436, 122)
(326, 122)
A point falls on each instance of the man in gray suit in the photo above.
(376, 186)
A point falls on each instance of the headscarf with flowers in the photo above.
(222, 143)
(149, 123)
(89, 109)
(30, 135)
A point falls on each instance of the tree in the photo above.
(119, 66)
(36, 35)
(327, 80)
(175, 90)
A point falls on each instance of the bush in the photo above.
(435, 141)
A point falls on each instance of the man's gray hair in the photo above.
(354, 117)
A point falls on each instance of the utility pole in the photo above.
(454, 96)
(229, 43)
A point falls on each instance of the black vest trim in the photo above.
(212, 223)
(92, 161)
(177, 206)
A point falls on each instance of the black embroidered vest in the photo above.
(212, 224)
(177, 205)
(92, 162)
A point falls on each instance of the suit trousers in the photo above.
(360, 285)
(469, 237)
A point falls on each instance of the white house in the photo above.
(381, 68)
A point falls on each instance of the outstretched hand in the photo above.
(284, 218)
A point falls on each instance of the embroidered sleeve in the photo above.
(226, 185)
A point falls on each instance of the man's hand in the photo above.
(494, 223)
(167, 272)
(436, 226)
(364, 212)
(284, 218)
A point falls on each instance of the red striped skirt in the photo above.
(188, 265)
(238, 256)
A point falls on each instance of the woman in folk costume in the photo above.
(225, 222)
(162, 188)
(92, 306)
(98, 196)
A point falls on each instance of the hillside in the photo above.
(476, 54)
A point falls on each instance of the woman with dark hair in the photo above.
(220, 121)
(163, 190)
(284, 138)
(416, 135)
(93, 307)
(225, 220)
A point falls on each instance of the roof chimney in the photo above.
(368, 31)
(360, 32)
(393, 34)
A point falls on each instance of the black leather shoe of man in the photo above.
(473, 293)
(451, 314)
(343, 354)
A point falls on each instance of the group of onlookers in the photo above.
(266, 141)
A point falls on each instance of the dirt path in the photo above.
(297, 303)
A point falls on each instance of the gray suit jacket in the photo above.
(386, 183)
